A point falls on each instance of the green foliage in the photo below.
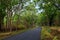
(29, 15)
(55, 38)
(15, 17)
(14, 2)
(29, 18)
(45, 33)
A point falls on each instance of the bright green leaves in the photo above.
(15, 17)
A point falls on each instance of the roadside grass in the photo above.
(9, 34)
(50, 33)
(5, 34)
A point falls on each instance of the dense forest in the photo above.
(15, 14)
(18, 15)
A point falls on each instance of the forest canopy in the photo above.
(29, 13)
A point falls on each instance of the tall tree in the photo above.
(6, 8)
(2, 12)
(50, 7)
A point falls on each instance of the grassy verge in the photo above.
(50, 33)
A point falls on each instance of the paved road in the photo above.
(28, 35)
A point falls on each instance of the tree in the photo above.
(6, 8)
(29, 19)
(2, 13)
(50, 7)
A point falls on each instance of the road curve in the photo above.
(28, 35)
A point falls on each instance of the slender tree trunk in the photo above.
(9, 20)
(1, 24)
(51, 21)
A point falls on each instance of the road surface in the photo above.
(28, 35)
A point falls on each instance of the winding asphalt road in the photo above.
(28, 35)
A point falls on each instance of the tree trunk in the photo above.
(9, 20)
(51, 21)
(1, 24)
